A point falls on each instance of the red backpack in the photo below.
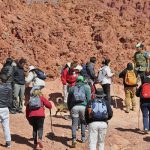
(145, 90)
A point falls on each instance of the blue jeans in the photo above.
(145, 108)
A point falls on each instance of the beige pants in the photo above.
(130, 97)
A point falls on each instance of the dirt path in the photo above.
(122, 134)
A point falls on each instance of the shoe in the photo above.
(8, 144)
(74, 142)
(127, 110)
(12, 111)
(83, 139)
(67, 117)
(146, 131)
(20, 111)
(40, 143)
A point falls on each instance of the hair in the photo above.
(9, 61)
(73, 64)
(93, 59)
(106, 62)
(22, 61)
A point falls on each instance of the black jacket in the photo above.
(89, 120)
(139, 90)
(19, 76)
(123, 74)
(90, 70)
(5, 95)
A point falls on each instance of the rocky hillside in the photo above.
(48, 34)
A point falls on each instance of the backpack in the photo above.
(145, 93)
(35, 103)
(40, 74)
(130, 78)
(79, 93)
(98, 110)
(5, 70)
(101, 75)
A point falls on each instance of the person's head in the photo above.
(93, 59)
(106, 62)
(9, 61)
(36, 92)
(100, 93)
(22, 62)
(80, 79)
(73, 64)
(130, 66)
(78, 69)
(139, 46)
(3, 78)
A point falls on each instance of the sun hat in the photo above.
(100, 93)
(31, 68)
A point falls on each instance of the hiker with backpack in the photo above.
(5, 97)
(129, 76)
(36, 77)
(68, 78)
(19, 86)
(35, 113)
(8, 69)
(105, 78)
(98, 112)
(144, 93)
(141, 60)
(78, 97)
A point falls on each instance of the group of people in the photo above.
(88, 105)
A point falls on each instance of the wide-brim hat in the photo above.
(100, 93)
(78, 67)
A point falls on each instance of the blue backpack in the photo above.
(99, 110)
(35, 103)
(40, 74)
(79, 93)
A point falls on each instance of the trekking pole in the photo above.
(114, 94)
(139, 118)
(51, 121)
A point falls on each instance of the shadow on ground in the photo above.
(61, 139)
(136, 130)
(21, 140)
(117, 102)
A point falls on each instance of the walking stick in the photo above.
(114, 95)
(51, 122)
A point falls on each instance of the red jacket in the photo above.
(40, 112)
(69, 76)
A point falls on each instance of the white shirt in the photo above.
(107, 75)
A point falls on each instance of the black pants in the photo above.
(37, 124)
(106, 88)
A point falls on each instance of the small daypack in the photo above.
(79, 93)
(145, 93)
(35, 103)
(98, 110)
(40, 74)
(130, 78)
(101, 75)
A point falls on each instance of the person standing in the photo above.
(129, 76)
(78, 97)
(144, 93)
(5, 96)
(19, 85)
(107, 78)
(97, 114)
(141, 60)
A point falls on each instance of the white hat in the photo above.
(31, 68)
(68, 64)
(78, 67)
(139, 45)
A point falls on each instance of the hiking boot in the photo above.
(12, 111)
(40, 143)
(8, 144)
(127, 110)
(146, 131)
(74, 142)
(67, 117)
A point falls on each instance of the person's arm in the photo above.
(138, 91)
(91, 71)
(122, 74)
(88, 93)
(46, 103)
(63, 76)
(30, 77)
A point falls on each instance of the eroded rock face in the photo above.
(50, 34)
